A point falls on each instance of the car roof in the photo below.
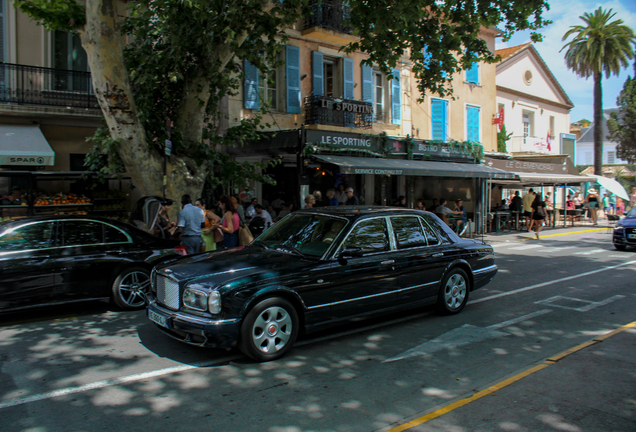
(360, 211)
(29, 219)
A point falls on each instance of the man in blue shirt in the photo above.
(189, 224)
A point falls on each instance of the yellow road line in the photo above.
(564, 234)
(548, 362)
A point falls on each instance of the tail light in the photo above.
(181, 250)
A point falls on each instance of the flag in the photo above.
(549, 141)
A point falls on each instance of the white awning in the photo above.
(24, 145)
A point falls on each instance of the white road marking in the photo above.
(531, 287)
(558, 248)
(462, 336)
(526, 247)
(590, 252)
(588, 304)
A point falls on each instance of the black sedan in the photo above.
(315, 268)
(61, 259)
(625, 231)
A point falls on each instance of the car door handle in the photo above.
(387, 262)
(437, 255)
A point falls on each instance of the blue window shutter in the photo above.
(472, 123)
(347, 72)
(318, 70)
(367, 83)
(396, 97)
(472, 74)
(250, 86)
(292, 59)
(439, 119)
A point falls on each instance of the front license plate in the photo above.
(631, 236)
(159, 319)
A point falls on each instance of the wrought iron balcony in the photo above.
(329, 14)
(32, 85)
(338, 112)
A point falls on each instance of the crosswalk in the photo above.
(560, 248)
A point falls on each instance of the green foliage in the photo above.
(622, 127)
(448, 31)
(103, 158)
(599, 46)
(502, 138)
(65, 15)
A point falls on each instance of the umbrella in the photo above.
(611, 185)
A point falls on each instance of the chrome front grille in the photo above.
(167, 292)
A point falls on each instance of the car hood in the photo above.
(628, 222)
(223, 267)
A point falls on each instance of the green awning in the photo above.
(24, 145)
(361, 165)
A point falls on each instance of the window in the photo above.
(472, 123)
(527, 77)
(370, 236)
(611, 157)
(378, 97)
(552, 127)
(68, 56)
(329, 72)
(408, 232)
(528, 125)
(267, 89)
(3, 38)
(113, 235)
(396, 97)
(78, 233)
(472, 74)
(28, 237)
(439, 119)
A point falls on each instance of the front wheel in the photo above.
(269, 330)
(620, 247)
(453, 293)
(130, 288)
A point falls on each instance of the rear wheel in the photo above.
(453, 293)
(131, 287)
(269, 330)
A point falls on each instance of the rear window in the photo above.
(33, 236)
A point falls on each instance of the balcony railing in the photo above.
(519, 144)
(338, 112)
(329, 14)
(32, 85)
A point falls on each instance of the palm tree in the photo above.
(599, 46)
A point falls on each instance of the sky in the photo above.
(563, 14)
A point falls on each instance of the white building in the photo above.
(585, 145)
(536, 109)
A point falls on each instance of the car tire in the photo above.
(620, 247)
(130, 288)
(453, 292)
(269, 330)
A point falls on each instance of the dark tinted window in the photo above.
(408, 232)
(113, 235)
(82, 233)
(431, 228)
(369, 236)
(33, 236)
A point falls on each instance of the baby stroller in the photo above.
(145, 214)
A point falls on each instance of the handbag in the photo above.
(245, 235)
(218, 235)
(541, 211)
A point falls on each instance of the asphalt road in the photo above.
(494, 367)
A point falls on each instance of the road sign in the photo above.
(168, 147)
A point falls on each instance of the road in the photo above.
(94, 368)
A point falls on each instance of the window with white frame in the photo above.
(473, 115)
(528, 125)
(268, 88)
(611, 157)
(378, 96)
(439, 119)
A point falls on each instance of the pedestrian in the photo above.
(230, 222)
(401, 201)
(592, 202)
(164, 224)
(331, 197)
(286, 209)
(527, 200)
(189, 224)
(264, 214)
(310, 201)
(250, 212)
(318, 196)
(351, 198)
(341, 195)
(538, 213)
(606, 203)
(419, 204)
(210, 218)
(549, 207)
(239, 208)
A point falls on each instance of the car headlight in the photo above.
(195, 299)
(201, 297)
(619, 229)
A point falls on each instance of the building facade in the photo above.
(585, 144)
(535, 108)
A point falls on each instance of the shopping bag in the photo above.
(245, 235)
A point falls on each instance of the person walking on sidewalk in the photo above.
(592, 204)
(538, 213)
(528, 199)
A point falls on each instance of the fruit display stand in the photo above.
(110, 203)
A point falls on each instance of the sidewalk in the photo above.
(546, 232)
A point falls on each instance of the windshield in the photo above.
(306, 234)
(631, 213)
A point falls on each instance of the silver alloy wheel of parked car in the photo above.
(130, 288)
(453, 294)
(269, 330)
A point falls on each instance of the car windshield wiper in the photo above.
(291, 248)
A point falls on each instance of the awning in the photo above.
(360, 165)
(556, 179)
(24, 145)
